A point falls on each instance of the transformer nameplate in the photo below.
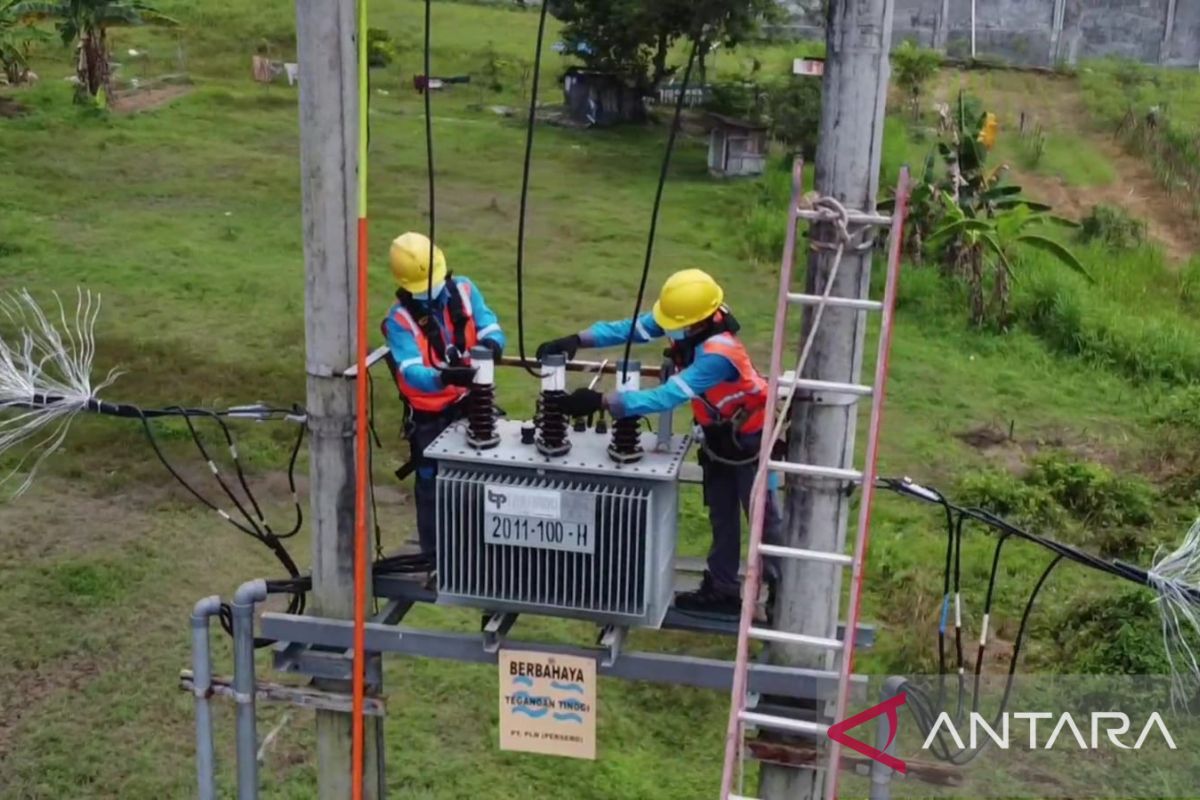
(544, 518)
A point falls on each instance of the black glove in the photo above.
(458, 376)
(495, 347)
(567, 345)
(582, 402)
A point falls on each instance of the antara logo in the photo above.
(838, 733)
(1113, 724)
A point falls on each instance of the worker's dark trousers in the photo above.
(423, 428)
(727, 495)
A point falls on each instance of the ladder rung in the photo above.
(788, 379)
(782, 723)
(804, 555)
(812, 470)
(852, 217)
(769, 635)
(834, 301)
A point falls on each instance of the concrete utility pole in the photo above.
(325, 36)
(858, 38)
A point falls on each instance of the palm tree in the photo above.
(85, 23)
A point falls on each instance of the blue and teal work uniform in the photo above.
(411, 357)
(717, 378)
(461, 319)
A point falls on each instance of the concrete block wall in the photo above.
(1040, 32)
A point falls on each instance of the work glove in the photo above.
(582, 402)
(458, 376)
(567, 345)
(497, 351)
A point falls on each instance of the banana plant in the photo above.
(85, 23)
(17, 38)
(984, 250)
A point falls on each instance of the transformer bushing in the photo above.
(626, 445)
(481, 402)
(551, 420)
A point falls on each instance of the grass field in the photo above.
(187, 219)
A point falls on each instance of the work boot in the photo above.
(708, 600)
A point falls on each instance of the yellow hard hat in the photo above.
(409, 258)
(687, 297)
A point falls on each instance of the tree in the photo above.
(985, 249)
(913, 67)
(85, 23)
(17, 38)
(634, 38)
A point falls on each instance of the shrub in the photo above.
(380, 50)
(1008, 496)
(795, 111)
(737, 99)
(1112, 635)
(1059, 488)
(1091, 492)
(912, 69)
(1113, 226)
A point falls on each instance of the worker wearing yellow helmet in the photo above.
(436, 320)
(728, 398)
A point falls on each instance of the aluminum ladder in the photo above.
(739, 716)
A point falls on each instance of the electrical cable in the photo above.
(987, 616)
(296, 603)
(958, 644)
(965, 756)
(658, 193)
(525, 168)
(922, 706)
(430, 170)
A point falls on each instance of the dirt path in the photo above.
(147, 99)
(1055, 104)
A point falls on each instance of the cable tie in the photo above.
(224, 516)
(212, 466)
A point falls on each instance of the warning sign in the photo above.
(548, 704)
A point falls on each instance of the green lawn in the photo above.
(187, 220)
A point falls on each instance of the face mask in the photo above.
(677, 336)
(424, 296)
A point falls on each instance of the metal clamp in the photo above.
(496, 628)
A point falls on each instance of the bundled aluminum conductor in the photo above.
(572, 536)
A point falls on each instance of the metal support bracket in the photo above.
(685, 670)
(612, 637)
(325, 663)
(666, 418)
(302, 696)
(395, 611)
(496, 628)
